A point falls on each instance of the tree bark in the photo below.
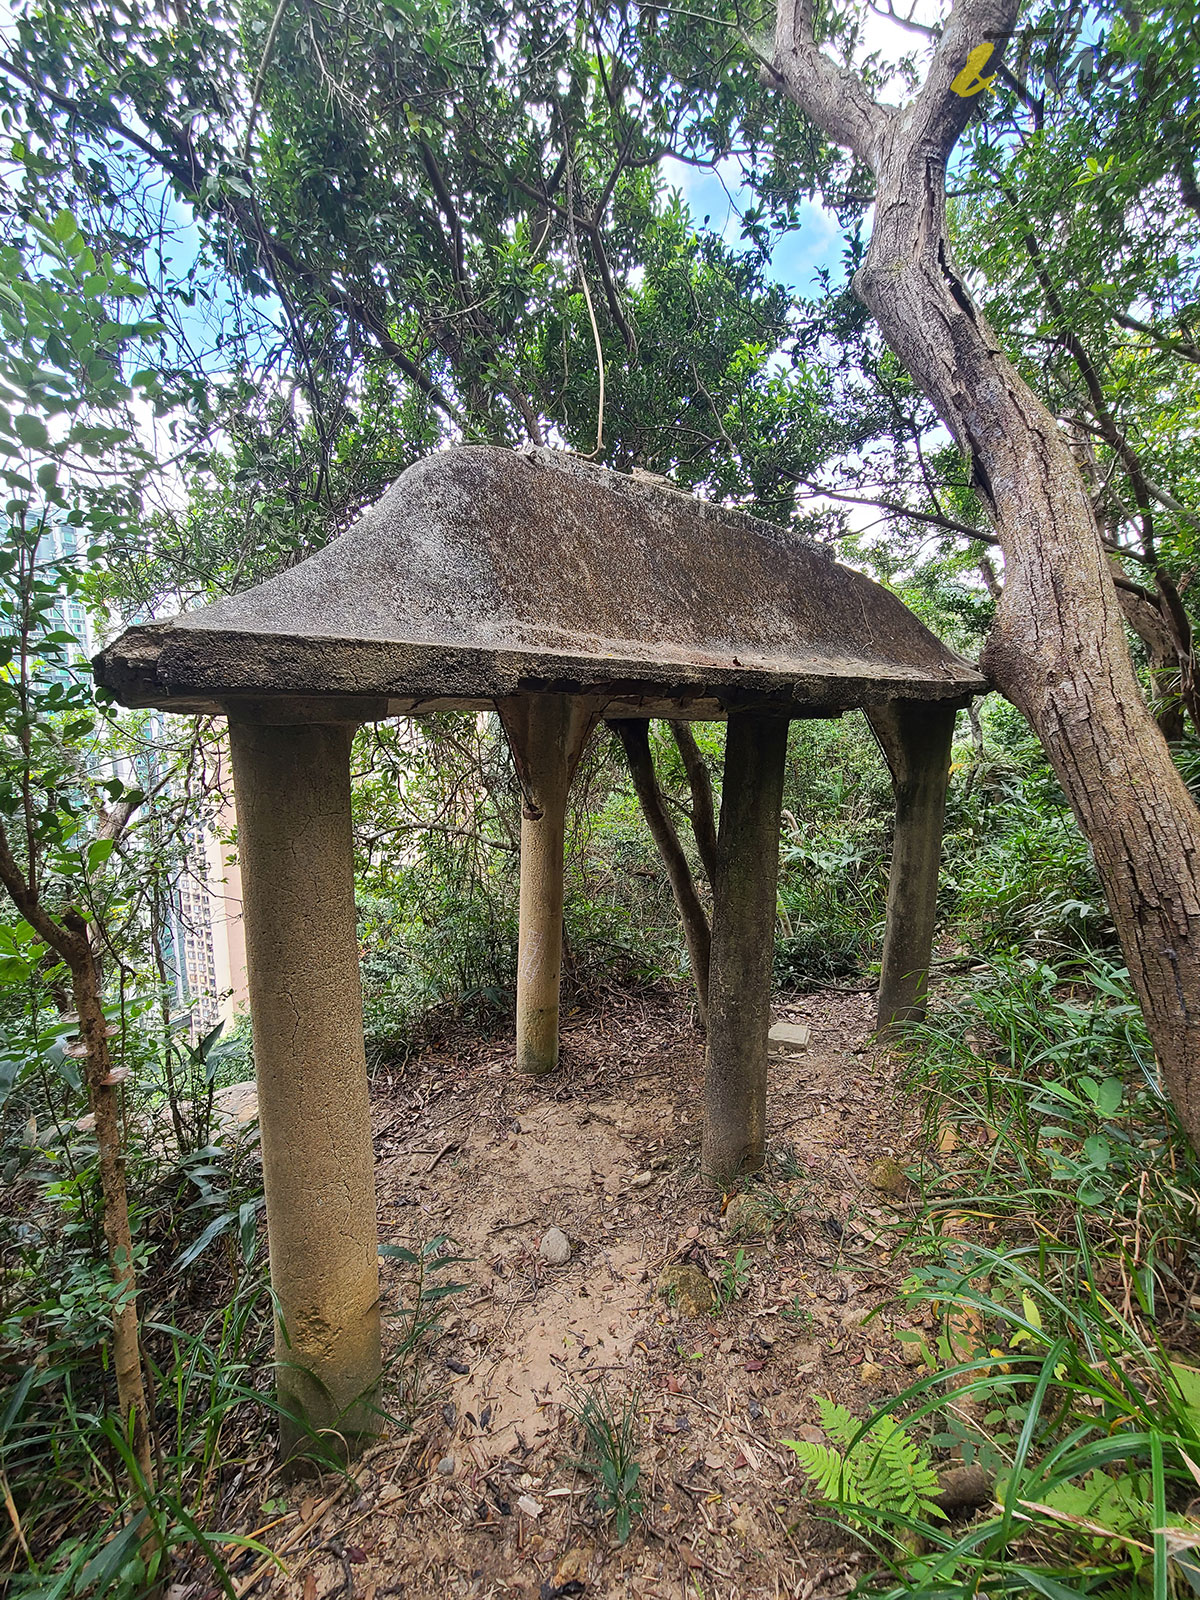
(735, 1091)
(1058, 649)
(70, 939)
(634, 734)
(1162, 659)
(704, 825)
(102, 1087)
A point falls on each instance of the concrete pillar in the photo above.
(548, 733)
(297, 861)
(743, 942)
(915, 737)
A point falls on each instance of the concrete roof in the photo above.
(483, 572)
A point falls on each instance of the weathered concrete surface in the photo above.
(547, 734)
(293, 807)
(484, 573)
(743, 938)
(916, 741)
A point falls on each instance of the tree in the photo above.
(458, 214)
(62, 396)
(1058, 647)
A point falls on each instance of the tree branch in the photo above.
(835, 98)
(183, 167)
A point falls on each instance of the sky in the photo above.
(817, 242)
(719, 197)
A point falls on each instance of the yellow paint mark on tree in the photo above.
(969, 80)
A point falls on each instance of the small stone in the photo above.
(555, 1247)
(446, 1466)
(890, 1178)
(574, 1566)
(746, 1217)
(870, 1372)
(810, 1434)
(688, 1288)
(642, 1180)
(530, 1506)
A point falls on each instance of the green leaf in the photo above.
(98, 853)
(398, 1253)
(31, 431)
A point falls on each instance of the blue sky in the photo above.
(795, 258)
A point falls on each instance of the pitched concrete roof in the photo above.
(484, 572)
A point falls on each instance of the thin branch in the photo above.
(260, 79)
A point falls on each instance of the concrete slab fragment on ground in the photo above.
(788, 1038)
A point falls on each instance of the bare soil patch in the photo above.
(484, 1497)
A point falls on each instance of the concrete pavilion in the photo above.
(556, 593)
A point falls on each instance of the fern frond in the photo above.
(840, 1424)
(826, 1469)
(884, 1470)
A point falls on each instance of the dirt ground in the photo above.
(484, 1496)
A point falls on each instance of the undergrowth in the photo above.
(1052, 1275)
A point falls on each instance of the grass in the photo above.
(65, 1458)
(609, 1433)
(1052, 1271)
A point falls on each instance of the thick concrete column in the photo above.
(915, 737)
(743, 941)
(297, 860)
(548, 733)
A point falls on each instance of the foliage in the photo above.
(1047, 1077)
(610, 1443)
(874, 1465)
(61, 1449)
(1054, 1264)
(290, 262)
(731, 1281)
(419, 1292)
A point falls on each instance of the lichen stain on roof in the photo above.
(484, 571)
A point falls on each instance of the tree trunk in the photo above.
(634, 734)
(704, 826)
(1058, 648)
(102, 1087)
(1162, 659)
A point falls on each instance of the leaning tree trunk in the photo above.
(103, 1081)
(634, 734)
(1058, 649)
